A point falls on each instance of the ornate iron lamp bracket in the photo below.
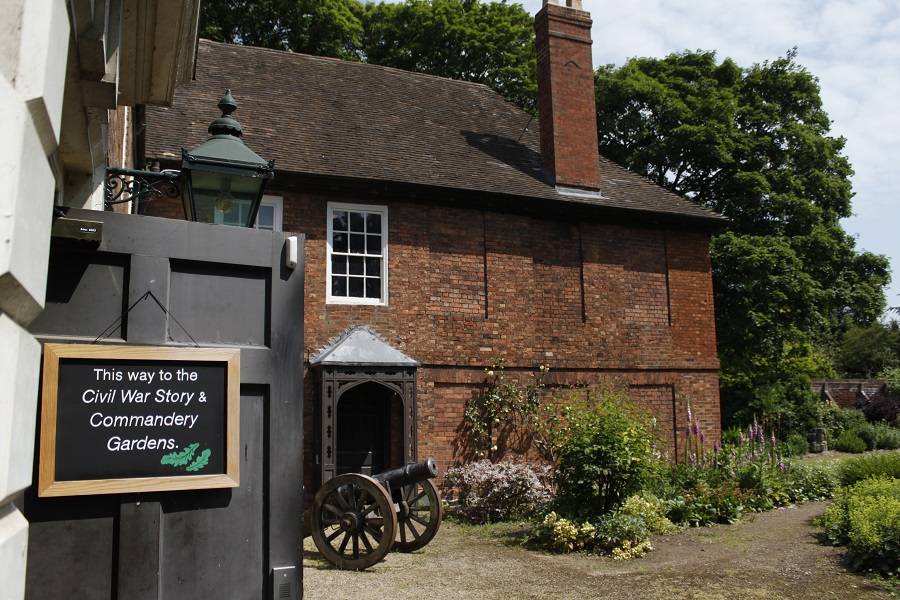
(140, 186)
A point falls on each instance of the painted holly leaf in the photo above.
(200, 462)
(179, 459)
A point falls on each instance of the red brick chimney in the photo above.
(568, 115)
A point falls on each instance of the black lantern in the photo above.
(223, 178)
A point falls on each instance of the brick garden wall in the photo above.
(467, 286)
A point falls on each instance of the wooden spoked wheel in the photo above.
(353, 521)
(419, 515)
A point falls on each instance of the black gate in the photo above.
(166, 282)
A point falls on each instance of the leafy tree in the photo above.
(321, 27)
(868, 351)
(753, 143)
(490, 43)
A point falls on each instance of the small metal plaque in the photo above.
(76, 229)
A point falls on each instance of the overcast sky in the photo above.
(852, 46)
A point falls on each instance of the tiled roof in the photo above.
(323, 116)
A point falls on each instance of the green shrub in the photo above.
(563, 535)
(651, 510)
(622, 535)
(765, 485)
(878, 436)
(705, 504)
(605, 454)
(811, 483)
(867, 434)
(838, 420)
(849, 441)
(731, 436)
(886, 437)
(795, 445)
(872, 465)
(866, 518)
(875, 534)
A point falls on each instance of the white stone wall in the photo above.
(34, 46)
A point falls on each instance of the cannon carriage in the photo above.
(356, 519)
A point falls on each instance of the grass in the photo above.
(836, 457)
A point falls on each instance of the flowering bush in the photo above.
(505, 407)
(719, 485)
(484, 491)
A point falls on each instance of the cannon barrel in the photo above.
(407, 474)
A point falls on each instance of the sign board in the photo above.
(138, 419)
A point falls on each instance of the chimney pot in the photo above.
(576, 4)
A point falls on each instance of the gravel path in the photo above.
(772, 556)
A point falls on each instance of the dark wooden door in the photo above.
(363, 429)
(165, 282)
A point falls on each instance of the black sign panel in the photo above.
(137, 418)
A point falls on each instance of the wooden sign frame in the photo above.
(47, 484)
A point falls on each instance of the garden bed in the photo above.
(770, 555)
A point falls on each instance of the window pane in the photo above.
(373, 267)
(356, 287)
(338, 286)
(357, 243)
(373, 223)
(265, 217)
(338, 264)
(339, 243)
(373, 287)
(356, 265)
(339, 220)
(373, 244)
(356, 222)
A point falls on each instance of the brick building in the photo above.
(459, 229)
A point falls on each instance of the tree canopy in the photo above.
(754, 144)
(869, 351)
(490, 43)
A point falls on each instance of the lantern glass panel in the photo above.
(223, 198)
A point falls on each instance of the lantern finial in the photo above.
(226, 124)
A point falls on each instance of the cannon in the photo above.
(356, 519)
